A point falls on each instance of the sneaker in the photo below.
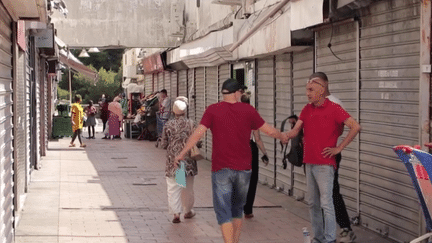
(347, 235)
(249, 216)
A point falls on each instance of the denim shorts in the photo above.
(230, 188)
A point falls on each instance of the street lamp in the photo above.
(84, 53)
(93, 50)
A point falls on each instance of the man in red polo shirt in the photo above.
(231, 123)
(322, 122)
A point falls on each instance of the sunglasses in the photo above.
(314, 80)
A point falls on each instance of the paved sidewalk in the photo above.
(115, 191)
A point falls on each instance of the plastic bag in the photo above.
(180, 175)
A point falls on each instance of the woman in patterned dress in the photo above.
(174, 137)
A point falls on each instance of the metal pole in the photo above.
(357, 24)
(70, 87)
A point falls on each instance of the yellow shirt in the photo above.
(77, 116)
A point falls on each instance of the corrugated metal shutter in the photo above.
(167, 83)
(44, 110)
(161, 84)
(224, 74)
(341, 70)
(191, 93)
(174, 85)
(389, 101)
(200, 99)
(28, 120)
(6, 127)
(265, 86)
(148, 84)
(283, 110)
(182, 83)
(37, 121)
(302, 69)
(211, 97)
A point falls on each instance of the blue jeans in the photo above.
(320, 201)
(230, 188)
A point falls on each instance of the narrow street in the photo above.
(115, 191)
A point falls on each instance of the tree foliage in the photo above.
(110, 59)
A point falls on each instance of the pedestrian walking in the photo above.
(91, 119)
(163, 114)
(231, 123)
(342, 217)
(322, 122)
(115, 118)
(174, 137)
(77, 115)
(105, 114)
(255, 143)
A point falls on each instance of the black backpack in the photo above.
(295, 155)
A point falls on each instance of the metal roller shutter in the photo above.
(37, 102)
(6, 127)
(341, 69)
(224, 71)
(191, 93)
(182, 83)
(28, 105)
(174, 85)
(44, 110)
(200, 100)
(155, 82)
(148, 84)
(211, 98)
(389, 101)
(167, 83)
(161, 84)
(302, 69)
(283, 110)
(265, 86)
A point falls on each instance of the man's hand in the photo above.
(284, 138)
(330, 152)
(265, 159)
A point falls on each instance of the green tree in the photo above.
(62, 94)
(110, 59)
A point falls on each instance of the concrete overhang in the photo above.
(27, 9)
(211, 50)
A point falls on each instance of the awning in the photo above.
(72, 62)
(211, 50)
(153, 63)
(306, 13)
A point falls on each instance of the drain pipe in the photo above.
(258, 25)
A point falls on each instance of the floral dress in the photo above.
(174, 136)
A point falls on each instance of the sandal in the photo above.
(189, 215)
(176, 219)
(71, 145)
(83, 145)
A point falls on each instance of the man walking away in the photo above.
(322, 122)
(231, 123)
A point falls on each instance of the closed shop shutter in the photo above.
(44, 111)
(191, 93)
(29, 104)
(37, 111)
(389, 102)
(283, 110)
(211, 98)
(160, 77)
(6, 127)
(174, 85)
(182, 83)
(200, 100)
(148, 84)
(265, 86)
(302, 69)
(224, 71)
(20, 131)
(167, 82)
(341, 70)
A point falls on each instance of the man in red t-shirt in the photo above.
(322, 122)
(231, 123)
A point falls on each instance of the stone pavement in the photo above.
(115, 191)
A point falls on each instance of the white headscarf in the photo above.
(180, 105)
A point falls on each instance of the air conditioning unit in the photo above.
(228, 2)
